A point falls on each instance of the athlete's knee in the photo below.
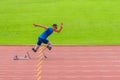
(39, 43)
(50, 44)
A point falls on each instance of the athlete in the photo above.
(43, 37)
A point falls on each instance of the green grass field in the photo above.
(86, 22)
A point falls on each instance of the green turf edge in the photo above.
(57, 45)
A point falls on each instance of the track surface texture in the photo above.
(63, 63)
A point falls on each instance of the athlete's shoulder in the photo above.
(50, 28)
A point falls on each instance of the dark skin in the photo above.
(53, 27)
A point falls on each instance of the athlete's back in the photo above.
(46, 33)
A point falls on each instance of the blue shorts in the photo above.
(40, 41)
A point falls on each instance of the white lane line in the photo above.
(19, 70)
(83, 66)
(99, 61)
(102, 71)
(100, 76)
(86, 76)
(72, 71)
(17, 76)
(97, 57)
(99, 65)
(2, 73)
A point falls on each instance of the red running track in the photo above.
(63, 63)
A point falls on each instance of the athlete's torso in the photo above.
(46, 33)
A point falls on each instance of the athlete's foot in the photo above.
(49, 47)
(34, 50)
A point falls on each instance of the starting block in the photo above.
(26, 57)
